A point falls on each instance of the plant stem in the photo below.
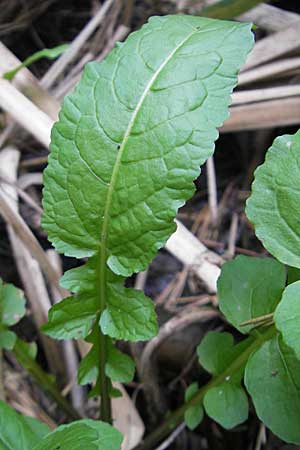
(2, 393)
(128, 9)
(258, 320)
(105, 404)
(227, 9)
(21, 353)
(104, 383)
(177, 416)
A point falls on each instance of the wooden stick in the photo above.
(28, 268)
(59, 66)
(267, 114)
(22, 230)
(189, 250)
(274, 46)
(270, 18)
(212, 190)
(25, 112)
(258, 95)
(268, 70)
(27, 83)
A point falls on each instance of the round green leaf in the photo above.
(227, 404)
(12, 304)
(248, 288)
(214, 351)
(273, 206)
(7, 339)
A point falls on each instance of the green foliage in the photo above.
(84, 434)
(252, 290)
(287, 316)
(194, 414)
(25, 433)
(49, 53)
(217, 351)
(124, 154)
(18, 432)
(227, 402)
(227, 9)
(272, 379)
(249, 288)
(119, 367)
(274, 203)
(12, 309)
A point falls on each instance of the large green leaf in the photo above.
(84, 434)
(124, 155)
(131, 137)
(12, 309)
(272, 378)
(273, 206)
(250, 287)
(287, 316)
(18, 432)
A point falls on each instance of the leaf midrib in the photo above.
(115, 172)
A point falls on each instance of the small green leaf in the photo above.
(49, 53)
(18, 432)
(287, 316)
(273, 206)
(272, 378)
(7, 339)
(84, 434)
(193, 416)
(227, 404)
(89, 367)
(119, 367)
(217, 351)
(12, 304)
(26, 353)
(249, 288)
(12, 309)
(72, 318)
(129, 315)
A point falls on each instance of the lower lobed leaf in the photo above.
(84, 434)
(119, 367)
